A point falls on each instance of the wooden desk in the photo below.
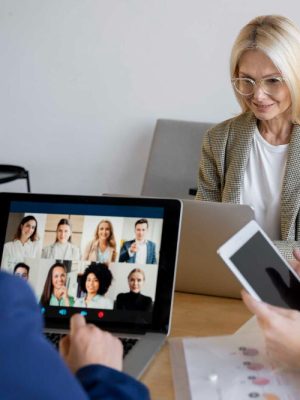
(193, 315)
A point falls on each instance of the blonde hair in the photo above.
(138, 270)
(279, 39)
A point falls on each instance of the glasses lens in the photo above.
(271, 85)
(244, 86)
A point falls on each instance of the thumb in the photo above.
(64, 346)
(77, 321)
(260, 309)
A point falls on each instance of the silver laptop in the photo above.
(146, 327)
(205, 227)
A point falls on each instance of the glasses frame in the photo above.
(255, 83)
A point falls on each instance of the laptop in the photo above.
(144, 329)
(205, 227)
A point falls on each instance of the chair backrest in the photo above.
(173, 162)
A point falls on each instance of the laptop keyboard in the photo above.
(128, 343)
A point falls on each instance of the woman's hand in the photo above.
(62, 293)
(281, 329)
(296, 262)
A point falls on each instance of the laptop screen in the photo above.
(111, 259)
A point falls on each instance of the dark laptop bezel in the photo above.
(167, 256)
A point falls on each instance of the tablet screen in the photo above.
(268, 275)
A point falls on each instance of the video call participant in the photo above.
(62, 248)
(91, 362)
(95, 282)
(103, 246)
(55, 292)
(25, 243)
(139, 250)
(22, 270)
(254, 157)
(134, 300)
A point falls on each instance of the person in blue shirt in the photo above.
(89, 366)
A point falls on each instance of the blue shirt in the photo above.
(32, 369)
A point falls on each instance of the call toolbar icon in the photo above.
(84, 313)
(63, 311)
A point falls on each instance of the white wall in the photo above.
(83, 82)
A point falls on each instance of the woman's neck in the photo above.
(24, 239)
(275, 131)
(90, 296)
(102, 244)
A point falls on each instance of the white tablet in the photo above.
(259, 266)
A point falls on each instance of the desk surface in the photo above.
(193, 315)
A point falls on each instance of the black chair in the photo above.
(10, 173)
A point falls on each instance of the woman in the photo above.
(134, 300)
(55, 291)
(25, 243)
(254, 158)
(62, 248)
(103, 246)
(95, 282)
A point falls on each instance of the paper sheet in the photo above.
(234, 367)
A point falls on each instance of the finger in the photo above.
(256, 307)
(295, 264)
(296, 254)
(77, 321)
(263, 310)
(64, 345)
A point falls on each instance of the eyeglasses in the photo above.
(246, 86)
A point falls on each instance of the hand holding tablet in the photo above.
(260, 268)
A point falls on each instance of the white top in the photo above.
(16, 251)
(262, 184)
(61, 251)
(141, 253)
(97, 301)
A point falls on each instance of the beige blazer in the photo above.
(225, 153)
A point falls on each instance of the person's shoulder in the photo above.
(102, 301)
(107, 301)
(11, 243)
(241, 121)
(146, 298)
(49, 247)
(15, 291)
(128, 242)
(7, 279)
(78, 302)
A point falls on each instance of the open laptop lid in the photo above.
(84, 214)
(205, 227)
